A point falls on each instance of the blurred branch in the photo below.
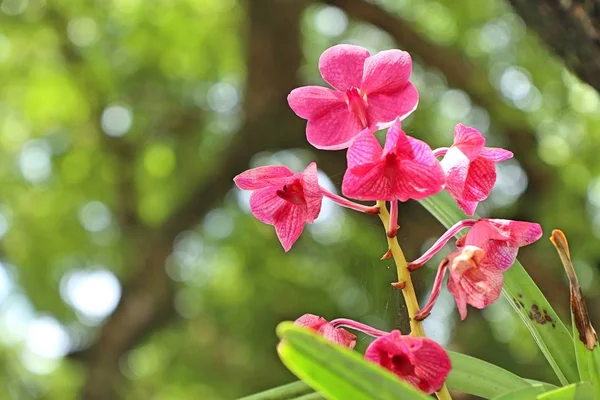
(571, 29)
(123, 150)
(273, 59)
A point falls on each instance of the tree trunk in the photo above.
(571, 28)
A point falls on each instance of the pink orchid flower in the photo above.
(477, 266)
(328, 330)
(419, 361)
(404, 169)
(369, 92)
(283, 199)
(470, 167)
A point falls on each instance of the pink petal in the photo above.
(421, 175)
(327, 330)
(520, 233)
(367, 182)
(334, 130)
(478, 287)
(289, 224)
(339, 336)
(262, 177)
(386, 71)
(385, 107)
(480, 180)
(311, 102)
(311, 321)
(393, 136)
(483, 231)
(365, 149)
(342, 66)
(418, 181)
(456, 167)
(500, 256)
(495, 154)
(419, 361)
(468, 207)
(468, 140)
(312, 192)
(266, 205)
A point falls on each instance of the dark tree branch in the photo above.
(273, 58)
(572, 30)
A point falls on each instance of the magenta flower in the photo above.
(369, 92)
(405, 169)
(470, 167)
(477, 266)
(328, 330)
(419, 361)
(283, 199)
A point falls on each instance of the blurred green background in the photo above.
(131, 267)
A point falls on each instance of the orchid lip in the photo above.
(357, 104)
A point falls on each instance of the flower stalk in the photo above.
(344, 202)
(408, 290)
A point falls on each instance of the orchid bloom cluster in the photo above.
(371, 93)
(420, 361)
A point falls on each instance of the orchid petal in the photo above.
(342, 66)
(468, 140)
(266, 205)
(495, 154)
(418, 181)
(479, 181)
(310, 102)
(478, 287)
(393, 136)
(312, 192)
(327, 330)
(262, 177)
(365, 149)
(334, 130)
(386, 71)
(367, 182)
(385, 107)
(289, 224)
(419, 361)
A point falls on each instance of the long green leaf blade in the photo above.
(474, 376)
(285, 392)
(551, 335)
(576, 391)
(336, 372)
(527, 393)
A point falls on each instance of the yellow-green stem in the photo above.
(408, 291)
(412, 304)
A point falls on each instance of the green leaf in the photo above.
(336, 372)
(576, 391)
(527, 393)
(474, 376)
(551, 335)
(285, 392)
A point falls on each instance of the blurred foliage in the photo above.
(110, 111)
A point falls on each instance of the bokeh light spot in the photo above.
(93, 293)
(116, 120)
(95, 216)
(82, 31)
(331, 21)
(35, 161)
